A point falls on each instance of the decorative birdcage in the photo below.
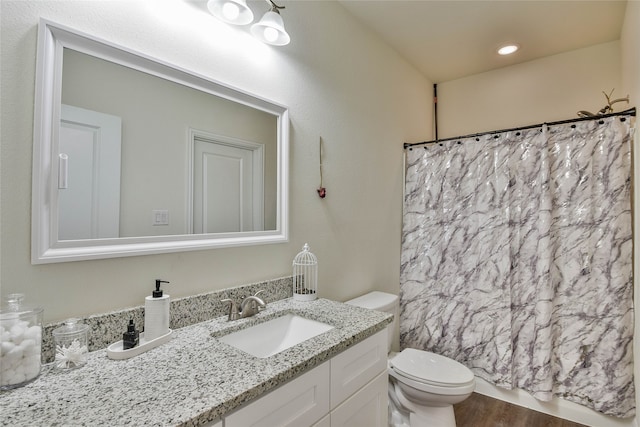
(305, 275)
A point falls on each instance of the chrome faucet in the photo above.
(248, 307)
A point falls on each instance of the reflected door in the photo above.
(227, 186)
(89, 201)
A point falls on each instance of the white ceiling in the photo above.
(450, 39)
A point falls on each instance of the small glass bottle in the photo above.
(131, 338)
(72, 344)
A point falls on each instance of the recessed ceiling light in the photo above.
(508, 49)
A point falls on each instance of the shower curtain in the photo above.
(517, 259)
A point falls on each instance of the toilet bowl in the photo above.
(423, 386)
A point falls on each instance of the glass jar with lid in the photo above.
(20, 342)
(71, 344)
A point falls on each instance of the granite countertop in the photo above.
(192, 379)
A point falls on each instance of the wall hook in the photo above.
(322, 192)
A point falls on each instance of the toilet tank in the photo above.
(380, 301)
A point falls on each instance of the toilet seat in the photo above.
(431, 372)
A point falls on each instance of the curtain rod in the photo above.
(629, 112)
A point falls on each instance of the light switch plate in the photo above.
(160, 217)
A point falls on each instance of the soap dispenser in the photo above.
(156, 313)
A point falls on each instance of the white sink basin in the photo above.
(273, 336)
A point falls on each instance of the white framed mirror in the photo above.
(135, 156)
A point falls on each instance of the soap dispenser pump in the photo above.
(157, 293)
(156, 313)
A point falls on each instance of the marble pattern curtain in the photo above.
(517, 259)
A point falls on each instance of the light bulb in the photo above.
(231, 11)
(270, 34)
(234, 12)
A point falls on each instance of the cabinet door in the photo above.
(355, 367)
(367, 408)
(300, 402)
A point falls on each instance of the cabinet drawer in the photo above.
(366, 408)
(300, 402)
(355, 367)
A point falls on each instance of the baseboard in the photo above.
(557, 407)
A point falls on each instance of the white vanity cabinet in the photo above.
(366, 408)
(359, 384)
(348, 390)
(356, 366)
(300, 402)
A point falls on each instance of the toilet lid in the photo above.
(429, 367)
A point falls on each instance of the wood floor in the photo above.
(482, 411)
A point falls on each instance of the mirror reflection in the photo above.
(135, 156)
(140, 155)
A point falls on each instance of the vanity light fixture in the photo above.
(270, 29)
(508, 49)
(235, 12)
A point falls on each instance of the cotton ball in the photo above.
(14, 355)
(6, 347)
(27, 343)
(7, 364)
(34, 350)
(31, 359)
(31, 366)
(17, 333)
(29, 347)
(13, 364)
(34, 333)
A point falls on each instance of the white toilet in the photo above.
(423, 386)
